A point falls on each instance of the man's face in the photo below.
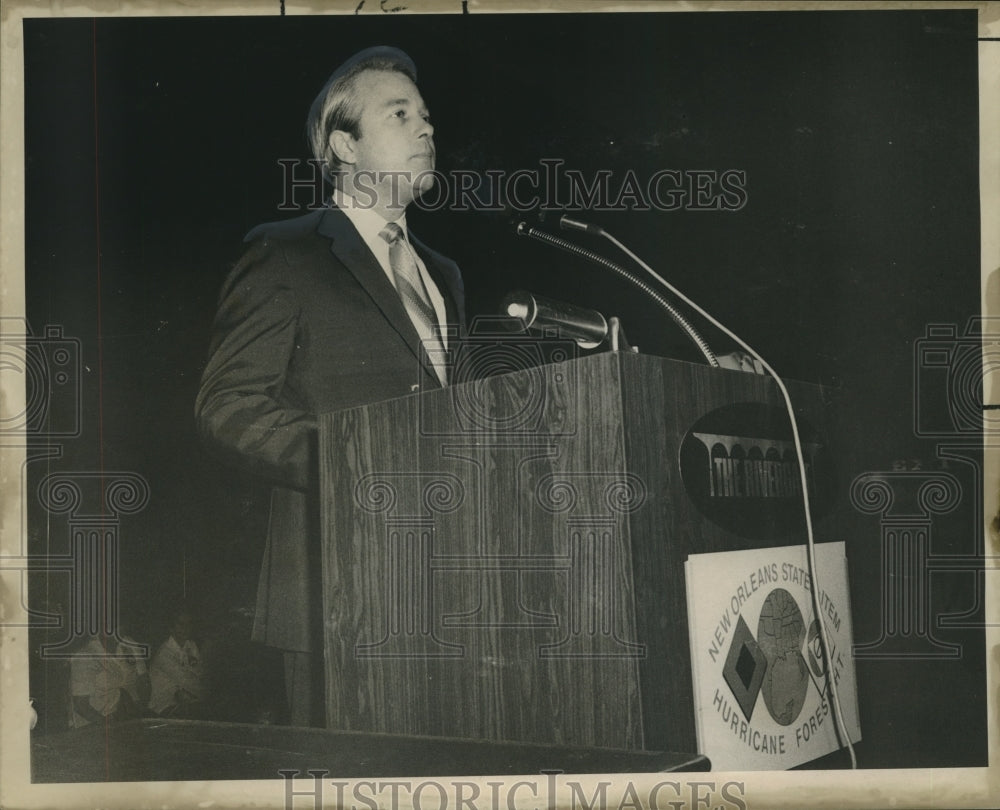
(396, 138)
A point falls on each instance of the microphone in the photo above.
(559, 219)
(586, 327)
(567, 223)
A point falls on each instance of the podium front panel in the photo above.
(503, 559)
(478, 572)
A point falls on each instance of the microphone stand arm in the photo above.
(616, 336)
(524, 229)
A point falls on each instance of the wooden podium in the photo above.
(503, 559)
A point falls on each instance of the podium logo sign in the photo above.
(748, 467)
(761, 695)
(740, 470)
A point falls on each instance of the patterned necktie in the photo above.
(414, 295)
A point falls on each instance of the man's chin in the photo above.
(423, 182)
(406, 187)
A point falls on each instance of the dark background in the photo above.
(152, 148)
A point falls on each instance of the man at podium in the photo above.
(338, 308)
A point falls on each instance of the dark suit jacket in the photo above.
(307, 323)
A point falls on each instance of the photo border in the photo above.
(945, 787)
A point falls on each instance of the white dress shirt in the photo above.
(369, 224)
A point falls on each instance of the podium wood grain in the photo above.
(503, 559)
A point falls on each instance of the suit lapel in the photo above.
(350, 249)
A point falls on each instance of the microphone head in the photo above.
(557, 219)
(519, 310)
(568, 223)
(521, 305)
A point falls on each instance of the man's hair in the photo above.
(338, 106)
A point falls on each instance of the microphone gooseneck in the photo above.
(524, 229)
(831, 682)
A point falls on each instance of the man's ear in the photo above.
(343, 145)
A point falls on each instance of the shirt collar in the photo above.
(368, 222)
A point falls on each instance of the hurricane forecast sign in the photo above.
(761, 701)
